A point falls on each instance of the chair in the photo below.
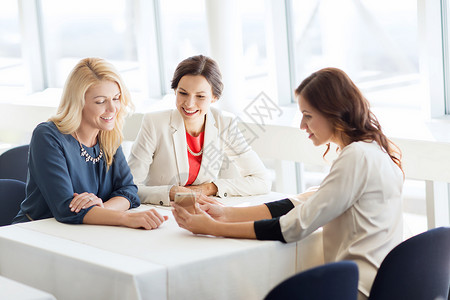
(337, 281)
(12, 193)
(418, 268)
(14, 163)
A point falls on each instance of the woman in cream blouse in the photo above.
(185, 149)
(358, 204)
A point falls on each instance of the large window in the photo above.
(446, 47)
(374, 41)
(76, 29)
(11, 63)
(254, 16)
(184, 33)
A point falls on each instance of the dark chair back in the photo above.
(418, 268)
(12, 193)
(337, 281)
(14, 163)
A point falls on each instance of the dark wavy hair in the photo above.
(200, 65)
(331, 92)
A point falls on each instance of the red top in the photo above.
(195, 143)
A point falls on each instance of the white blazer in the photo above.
(159, 157)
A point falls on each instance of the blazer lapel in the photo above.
(180, 146)
(212, 154)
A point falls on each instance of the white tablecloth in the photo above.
(106, 262)
(13, 290)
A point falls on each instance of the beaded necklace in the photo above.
(87, 156)
(195, 153)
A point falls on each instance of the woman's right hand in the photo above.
(217, 212)
(149, 219)
(84, 200)
(203, 199)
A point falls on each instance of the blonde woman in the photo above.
(77, 172)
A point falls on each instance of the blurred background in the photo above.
(397, 52)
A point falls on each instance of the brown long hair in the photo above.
(333, 93)
(200, 65)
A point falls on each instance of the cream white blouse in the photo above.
(359, 207)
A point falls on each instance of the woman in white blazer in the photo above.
(186, 148)
(358, 204)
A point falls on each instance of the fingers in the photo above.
(157, 215)
(84, 200)
(178, 219)
(205, 207)
(179, 213)
(205, 199)
(201, 200)
(79, 201)
(199, 209)
(152, 219)
(183, 213)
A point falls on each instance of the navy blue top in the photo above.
(56, 170)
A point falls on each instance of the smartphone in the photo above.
(186, 200)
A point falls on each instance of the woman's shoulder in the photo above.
(158, 116)
(365, 146)
(221, 113)
(45, 134)
(222, 116)
(159, 113)
(46, 128)
(362, 149)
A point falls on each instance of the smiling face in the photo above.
(318, 127)
(194, 97)
(102, 104)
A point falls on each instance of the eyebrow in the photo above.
(201, 92)
(100, 96)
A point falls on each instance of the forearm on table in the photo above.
(250, 213)
(104, 216)
(244, 230)
(117, 203)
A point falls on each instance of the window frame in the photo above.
(434, 36)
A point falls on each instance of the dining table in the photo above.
(109, 262)
(13, 290)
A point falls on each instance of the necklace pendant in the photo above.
(88, 157)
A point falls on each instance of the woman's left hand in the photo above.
(199, 223)
(202, 199)
(84, 200)
(208, 189)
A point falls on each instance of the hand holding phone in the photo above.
(187, 201)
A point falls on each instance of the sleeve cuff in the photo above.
(131, 197)
(159, 195)
(268, 230)
(280, 207)
(220, 192)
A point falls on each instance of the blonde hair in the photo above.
(86, 73)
